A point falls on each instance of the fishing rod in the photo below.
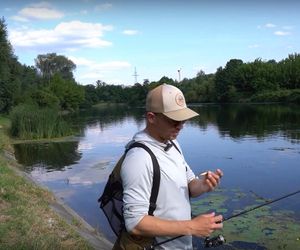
(261, 205)
(220, 240)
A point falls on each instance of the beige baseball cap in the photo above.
(170, 101)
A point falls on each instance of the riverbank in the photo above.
(31, 217)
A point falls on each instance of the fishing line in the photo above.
(219, 240)
(259, 206)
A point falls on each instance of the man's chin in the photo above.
(173, 137)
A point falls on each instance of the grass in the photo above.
(4, 127)
(26, 221)
(31, 122)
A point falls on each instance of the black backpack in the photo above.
(111, 200)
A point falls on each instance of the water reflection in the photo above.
(257, 147)
(259, 120)
(106, 116)
(52, 156)
(234, 120)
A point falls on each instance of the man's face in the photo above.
(164, 127)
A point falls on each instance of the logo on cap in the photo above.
(180, 99)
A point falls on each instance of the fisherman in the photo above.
(166, 113)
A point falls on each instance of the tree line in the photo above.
(51, 84)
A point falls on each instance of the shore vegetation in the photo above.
(26, 219)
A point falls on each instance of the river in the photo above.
(257, 146)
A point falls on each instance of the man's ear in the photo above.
(151, 117)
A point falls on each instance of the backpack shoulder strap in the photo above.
(156, 175)
(173, 143)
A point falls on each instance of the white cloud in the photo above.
(41, 13)
(130, 32)
(270, 25)
(284, 32)
(91, 76)
(111, 66)
(42, 10)
(31, 38)
(80, 61)
(91, 71)
(102, 71)
(105, 66)
(267, 25)
(85, 29)
(66, 35)
(19, 19)
(281, 33)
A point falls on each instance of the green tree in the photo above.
(226, 78)
(166, 80)
(290, 72)
(264, 76)
(9, 71)
(136, 95)
(50, 64)
(44, 98)
(6, 52)
(68, 92)
(91, 97)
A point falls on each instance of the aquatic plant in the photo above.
(32, 122)
(264, 228)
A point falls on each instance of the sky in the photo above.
(124, 41)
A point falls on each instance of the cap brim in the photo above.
(181, 114)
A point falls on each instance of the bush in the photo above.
(31, 122)
(45, 99)
(289, 96)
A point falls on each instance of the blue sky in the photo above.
(107, 40)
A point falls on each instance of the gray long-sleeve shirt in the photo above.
(173, 196)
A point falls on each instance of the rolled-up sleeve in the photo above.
(136, 174)
(189, 174)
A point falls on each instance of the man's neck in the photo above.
(154, 135)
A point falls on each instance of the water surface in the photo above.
(257, 147)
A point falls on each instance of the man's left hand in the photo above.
(212, 179)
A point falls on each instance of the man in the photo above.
(166, 112)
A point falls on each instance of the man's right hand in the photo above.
(205, 224)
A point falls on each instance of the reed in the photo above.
(31, 122)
